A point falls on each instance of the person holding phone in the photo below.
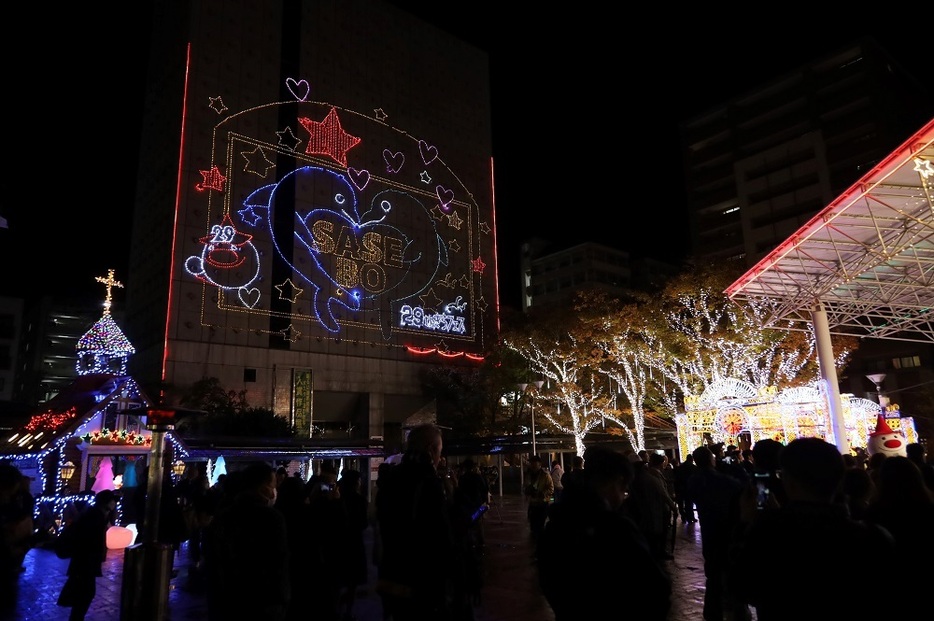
(766, 463)
(811, 531)
(420, 569)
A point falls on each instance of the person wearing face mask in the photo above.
(246, 551)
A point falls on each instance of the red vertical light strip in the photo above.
(178, 195)
(495, 247)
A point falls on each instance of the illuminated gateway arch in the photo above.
(735, 412)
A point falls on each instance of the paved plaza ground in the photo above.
(510, 592)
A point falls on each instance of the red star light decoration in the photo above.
(329, 138)
(211, 180)
(478, 265)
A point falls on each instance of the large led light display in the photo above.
(326, 222)
(731, 408)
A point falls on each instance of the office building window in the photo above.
(906, 362)
(7, 325)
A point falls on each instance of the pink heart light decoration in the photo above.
(394, 161)
(429, 153)
(359, 177)
(444, 195)
(299, 89)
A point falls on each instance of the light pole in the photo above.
(538, 386)
(877, 379)
(147, 566)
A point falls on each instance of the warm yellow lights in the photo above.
(67, 471)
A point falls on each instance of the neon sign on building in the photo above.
(340, 225)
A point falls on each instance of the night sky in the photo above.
(624, 84)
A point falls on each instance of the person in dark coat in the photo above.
(717, 497)
(811, 534)
(89, 534)
(419, 564)
(305, 561)
(329, 525)
(683, 472)
(592, 556)
(539, 492)
(247, 552)
(16, 534)
(471, 500)
(576, 471)
(354, 563)
(904, 507)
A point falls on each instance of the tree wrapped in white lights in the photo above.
(618, 332)
(569, 399)
(656, 352)
(702, 338)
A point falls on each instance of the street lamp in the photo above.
(877, 379)
(178, 468)
(538, 386)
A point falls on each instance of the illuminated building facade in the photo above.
(314, 214)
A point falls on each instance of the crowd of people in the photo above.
(775, 520)
(308, 536)
(787, 531)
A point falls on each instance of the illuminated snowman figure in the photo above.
(884, 440)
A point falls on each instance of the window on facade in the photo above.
(249, 375)
(906, 362)
(6, 326)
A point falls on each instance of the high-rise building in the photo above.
(552, 275)
(314, 214)
(46, 358)
(759, 166)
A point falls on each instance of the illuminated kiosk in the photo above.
(733, 412)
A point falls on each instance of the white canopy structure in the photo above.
(863, 266)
